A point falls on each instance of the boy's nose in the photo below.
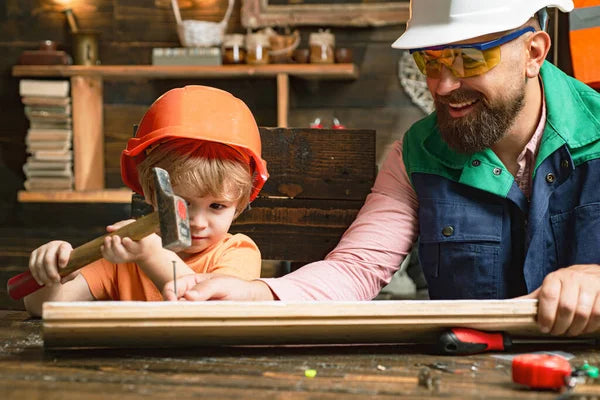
(198, 220)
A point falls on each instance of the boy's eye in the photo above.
(217, 206)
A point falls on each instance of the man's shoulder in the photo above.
(573, 108)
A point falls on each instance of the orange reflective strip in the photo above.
(585, 55)
(586, 3)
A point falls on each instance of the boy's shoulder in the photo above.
(238, 239)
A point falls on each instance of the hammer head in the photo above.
(172, 213)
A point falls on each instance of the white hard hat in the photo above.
(439, 22)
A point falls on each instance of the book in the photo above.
(39, 123)
(58, 145)
(35, 134)
(34, 163)
(49, 183)
(50, 88)
(187, 56)
(34, 173)
(42, 100)
(54, 155)
(43, 110)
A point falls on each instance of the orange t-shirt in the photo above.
(235, 255)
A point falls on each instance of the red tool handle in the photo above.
(460, 341)
(21, 285)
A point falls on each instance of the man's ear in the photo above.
(538, 46)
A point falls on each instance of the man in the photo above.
(500, 183)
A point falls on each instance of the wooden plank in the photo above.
(294, 229)
(315, 71)
(88, 140)
(149, 324)
(319, 164)
(70, 196)
(259, 13)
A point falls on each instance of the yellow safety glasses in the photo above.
(463, 60)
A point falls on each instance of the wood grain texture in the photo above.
(296, 229)
(148, 324)
(349, 372)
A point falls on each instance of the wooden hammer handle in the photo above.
(23, 284)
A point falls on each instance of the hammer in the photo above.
(171, 218)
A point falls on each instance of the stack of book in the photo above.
(49, 163)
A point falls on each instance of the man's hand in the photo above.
(569, 301)
(120, 250)
(200, 287)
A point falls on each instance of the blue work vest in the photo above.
(479, 236)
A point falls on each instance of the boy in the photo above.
(209, 143)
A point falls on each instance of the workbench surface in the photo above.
(28, 371)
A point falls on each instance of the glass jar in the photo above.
(257, 48)
(234, 51)
(321, 45)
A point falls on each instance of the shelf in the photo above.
(87, 103)
(316, 71)
(70, 196)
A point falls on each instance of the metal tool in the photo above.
(175, 277)
(170, 219)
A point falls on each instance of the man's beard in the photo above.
(483, 127)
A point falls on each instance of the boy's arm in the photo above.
(159, 267)
(147, 253)
(74, 290)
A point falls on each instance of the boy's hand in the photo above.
(120, 250)
(200, 287)
(48, 259)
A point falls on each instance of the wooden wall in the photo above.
(129, 30)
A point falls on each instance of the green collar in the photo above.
(571, 108)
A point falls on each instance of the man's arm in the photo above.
(368, 254)
(372, 248)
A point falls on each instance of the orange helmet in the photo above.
(196, 112)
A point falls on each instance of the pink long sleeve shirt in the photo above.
(377, 242)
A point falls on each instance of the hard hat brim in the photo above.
(450, 28)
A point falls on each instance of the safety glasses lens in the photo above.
(462, 62)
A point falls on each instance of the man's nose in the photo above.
(447, 82)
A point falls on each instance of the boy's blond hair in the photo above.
(198, 168)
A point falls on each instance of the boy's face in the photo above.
(210, 219)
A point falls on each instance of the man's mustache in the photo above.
(458, 96)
